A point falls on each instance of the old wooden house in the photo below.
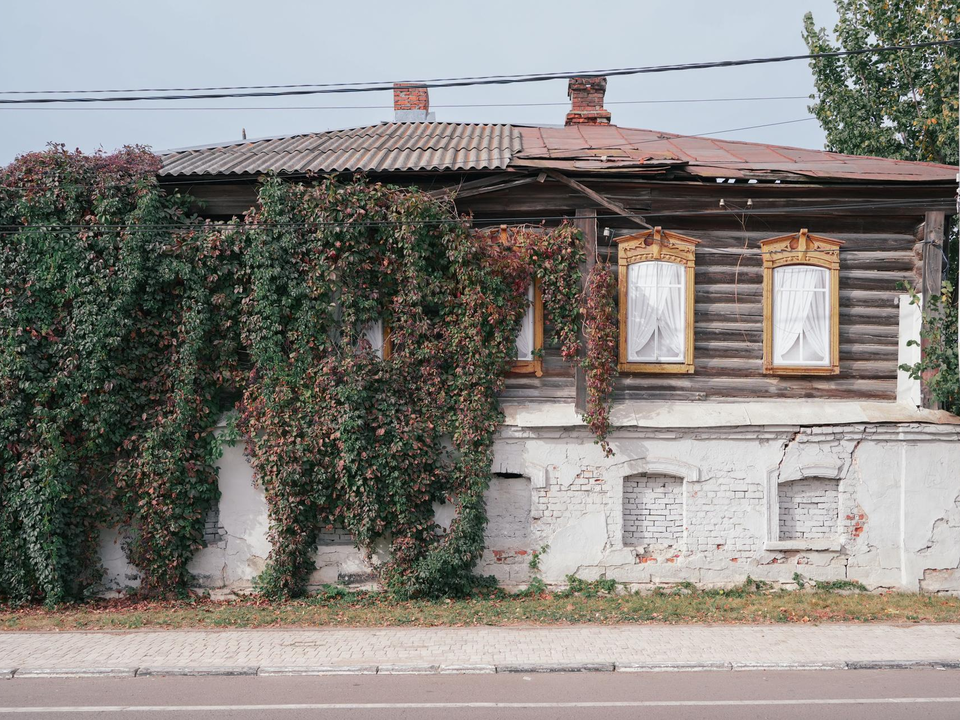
(762, 425)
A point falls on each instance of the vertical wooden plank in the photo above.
(932, 277)
(586, 222)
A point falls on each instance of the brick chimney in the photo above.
(586, 100)
(411, 103)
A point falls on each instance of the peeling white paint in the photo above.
(898, 488)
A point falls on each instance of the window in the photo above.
(530, 337)
(656, 302)
(378, 336)
(801, 326)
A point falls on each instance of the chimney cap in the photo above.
(586, 94)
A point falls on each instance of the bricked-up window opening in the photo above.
(652, 510)
(808, 508)
(213, 532)
(333, 535)
(509, 506)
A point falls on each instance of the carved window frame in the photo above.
(651, 246)
(801, 248)
(535, 366)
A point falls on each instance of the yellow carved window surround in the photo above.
(656, 302)
(801, 305)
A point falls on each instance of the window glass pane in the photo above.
(656, 312)
(801, 315)
(373, 334)
(525, 338)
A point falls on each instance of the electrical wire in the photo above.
(338, 88)
(390, 107)
(488, 159)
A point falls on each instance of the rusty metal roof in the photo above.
(608, 148)
(432, 146)
(386, 147)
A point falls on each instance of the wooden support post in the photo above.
(932, 279)
(586, 222)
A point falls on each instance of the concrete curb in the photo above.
(412, 669)
(318, 670)
(672, 667)
(465, 669)
(76, 672)
(222, 671)
(556, 668)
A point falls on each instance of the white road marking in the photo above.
(478, 705)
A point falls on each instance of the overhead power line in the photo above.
(361, 87)
(180, 181)
(432, 106)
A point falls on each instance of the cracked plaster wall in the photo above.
(898, 499)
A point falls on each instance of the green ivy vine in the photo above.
(339, 435)
(112, 354)
(128, 326)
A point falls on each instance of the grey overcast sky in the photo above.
(93, 44)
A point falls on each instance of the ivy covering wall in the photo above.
(129, 326)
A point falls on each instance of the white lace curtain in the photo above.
(656, 312)
(801, 315)
(373, 334)
(525, 338)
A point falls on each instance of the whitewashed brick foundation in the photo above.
(877, 503)
(808, 509)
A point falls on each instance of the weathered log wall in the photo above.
(728, 330)
(878, 224)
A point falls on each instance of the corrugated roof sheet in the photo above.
(377, 148)
(432, 146)
(608, 148)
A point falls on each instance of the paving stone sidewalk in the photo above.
(483, 649)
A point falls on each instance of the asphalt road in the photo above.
(740, 695)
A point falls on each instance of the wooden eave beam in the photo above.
(597, 198)
(483, 185)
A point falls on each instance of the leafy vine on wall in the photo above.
(125, 323)
(111, 363)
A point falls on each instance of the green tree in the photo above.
(899, 105)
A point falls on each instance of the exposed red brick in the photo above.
(586, 101)
(410, 97)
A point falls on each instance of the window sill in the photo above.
(670, 368)
(810, 370)
(814, 545)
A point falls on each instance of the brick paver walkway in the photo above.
(448, 646)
